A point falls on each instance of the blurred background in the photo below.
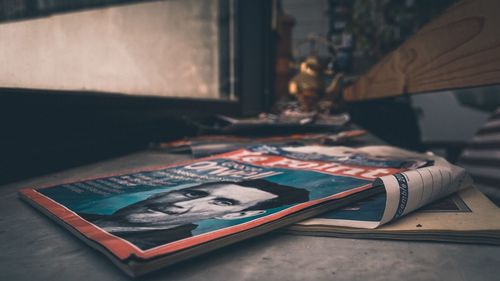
(85, 80)
(365, 31)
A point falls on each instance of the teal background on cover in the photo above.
(86, 201)
(370, 209)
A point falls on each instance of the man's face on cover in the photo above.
(192, 204)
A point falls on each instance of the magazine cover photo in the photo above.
(168, 209)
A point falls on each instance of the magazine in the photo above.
(466, 217)
(203, 146)
(158, 216)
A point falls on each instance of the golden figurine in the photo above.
(307, 86)
(309, 89)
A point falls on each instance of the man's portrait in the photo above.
(169, 216)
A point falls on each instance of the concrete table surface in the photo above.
(35, 248)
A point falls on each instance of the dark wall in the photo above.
(43, 132)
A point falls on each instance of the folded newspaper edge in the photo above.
(409, 190)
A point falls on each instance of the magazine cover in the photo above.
(165, 210)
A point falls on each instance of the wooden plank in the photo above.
(459, 49)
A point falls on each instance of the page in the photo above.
(468, 210)
(408, 191)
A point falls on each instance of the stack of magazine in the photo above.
(158, 216)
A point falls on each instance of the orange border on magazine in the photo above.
(124, 249)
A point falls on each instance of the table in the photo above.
(35, 248)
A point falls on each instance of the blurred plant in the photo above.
(379, 26)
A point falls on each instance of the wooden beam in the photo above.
(459, 49)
